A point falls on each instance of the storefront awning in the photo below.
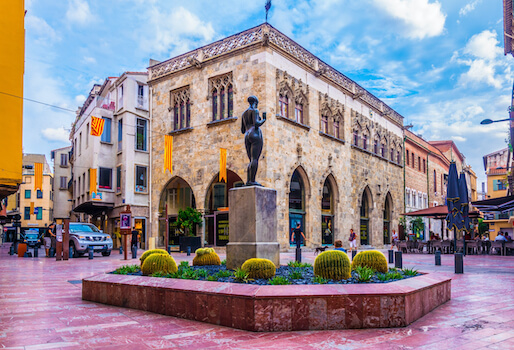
(437, 212)
(93, 208)
(500, 204)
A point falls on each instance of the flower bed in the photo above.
(275, 307)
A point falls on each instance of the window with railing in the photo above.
(142, 96)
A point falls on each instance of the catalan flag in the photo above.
(223, 164)
(168, 153)
(38, 176)
(97, 126)
(92, 181)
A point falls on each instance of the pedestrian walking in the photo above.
(353, 240)
(298, 234)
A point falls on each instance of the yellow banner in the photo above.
(97, 126)
(38, 176)
(223, 164)
(31, 208)
(168, 153)
(92, 181)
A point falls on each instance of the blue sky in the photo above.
(438, 63)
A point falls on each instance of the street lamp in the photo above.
(490, 121)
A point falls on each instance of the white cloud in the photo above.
(458, 138)
(89, 60)
(56, 134)
(420, 18)
(175, 30)
(79, 12)
(40, 30)
(484, 45)
(481, 72)
(469, 7)
(79, 99)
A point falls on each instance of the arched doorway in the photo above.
(176, 195)
(327, 214)
(387, 219)
(217, 208)
(296, 204)
(365, 235)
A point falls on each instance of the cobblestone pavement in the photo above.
(41, 308)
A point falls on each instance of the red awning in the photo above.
(438, 212)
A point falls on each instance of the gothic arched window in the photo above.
(283, 103)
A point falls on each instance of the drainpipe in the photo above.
(149, 232)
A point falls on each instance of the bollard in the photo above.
(188, 250)
(438, 258)
(169, 249)
(26, 254)
(90, 251)
(459, 263)
(298, 255)
(134, 251)
(391, 256)
(121, 250)
(36, 252)
(354, 252)
(51, 252)
(398, 263)
(70, 256)
(11, 249)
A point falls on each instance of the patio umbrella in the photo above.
(464, 202)
(454, 217)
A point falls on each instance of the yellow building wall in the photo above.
(496, 226)
(490, 192)
(46, 202)
(12, 17)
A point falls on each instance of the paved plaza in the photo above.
(41, 308)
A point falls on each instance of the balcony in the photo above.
(105, 103)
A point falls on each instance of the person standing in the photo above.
(353, 240)
(394, 239)
(298, 234)
(134, 240)
(50, 240)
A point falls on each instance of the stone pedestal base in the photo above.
(253, 225)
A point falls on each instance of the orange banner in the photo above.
(97, 126)
(38, 176)
(223, 164)
(31, 208)
(92, 181)
(168, 153)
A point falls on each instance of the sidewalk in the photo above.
(41, 308)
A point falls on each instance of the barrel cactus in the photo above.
(206, 256)
(149, 252)
(157, 262)
(332, 264)
(373, 259)
(259, 268)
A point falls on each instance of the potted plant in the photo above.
(187, 220)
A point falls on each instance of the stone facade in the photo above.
(312, 113)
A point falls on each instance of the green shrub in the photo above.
(241, 275)
(319, 280)
(332, 264)
(296, 274)
(158, 263)
(364, 273)
(279, 280)
(298, 264)
(395, 275)
(126, 269)
(410, 272)
(383, 277)
(150, 252)
(183, 265)
(212, 278)
(202, 273)
(373, 259)
(223, 273)
(224, 262)
(206, 256)
(259, 268)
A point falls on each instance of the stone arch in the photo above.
(365, 214)
(233, 180)
(387, 218)
(304, 176)
(329, 175)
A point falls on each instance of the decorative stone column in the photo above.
(253, 225)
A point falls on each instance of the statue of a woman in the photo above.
(250, 123)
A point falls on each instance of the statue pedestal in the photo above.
(253, 225)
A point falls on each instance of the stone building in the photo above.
(332, 150)
(119, 158)
(61, 190)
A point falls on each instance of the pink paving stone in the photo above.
(47, 295)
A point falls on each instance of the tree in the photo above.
(417, 225)
(187, 219)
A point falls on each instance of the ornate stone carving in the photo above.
(333, 111)
(297, 94)
(267, 35)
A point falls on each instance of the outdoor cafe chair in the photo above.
(447, 246)
(497, 246)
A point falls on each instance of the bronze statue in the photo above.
(250, 123)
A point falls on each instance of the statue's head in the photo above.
(253, 101)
